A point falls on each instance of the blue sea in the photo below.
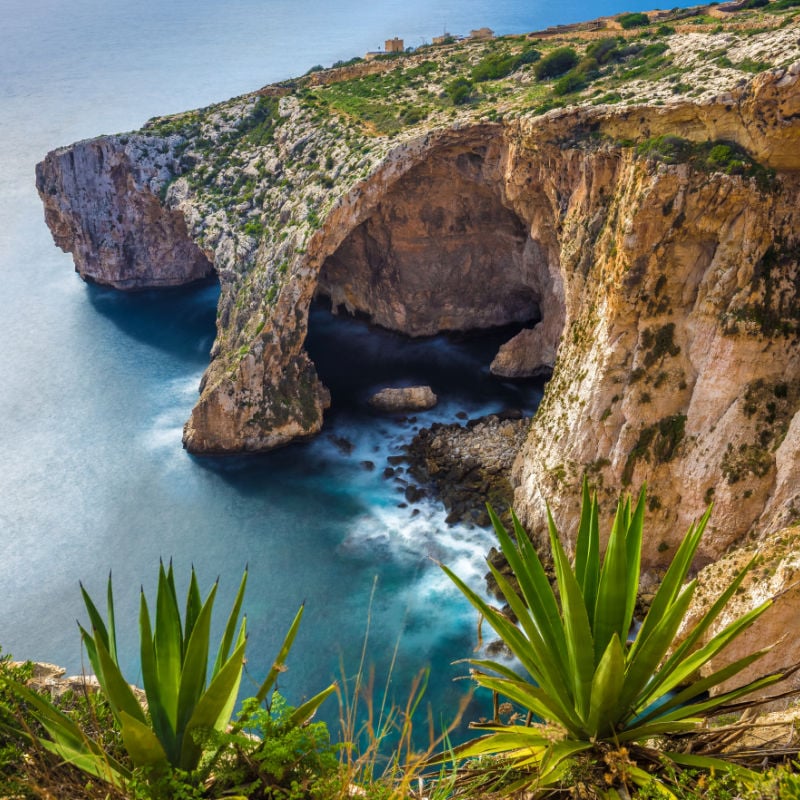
(95, 385)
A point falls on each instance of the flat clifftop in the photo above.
(635, 189)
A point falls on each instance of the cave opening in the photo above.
(439, 275)
(440, 252)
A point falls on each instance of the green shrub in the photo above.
(348, 63)
(12, 744)
(459, 91)
(605, 50)
(573, 81)
(556, 63)
(492, 67)
(275, 756)
(633, 20)
(498, 65)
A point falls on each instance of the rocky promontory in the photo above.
(639, 201)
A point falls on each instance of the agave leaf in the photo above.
(705, 706)
(97, 624)
(577, 632)
(710, 763)
(168, 644)
(162, 727)
(230, 628)
(99, 764)
(701, 686)
(633, 548)
(91, 651)
(119, 694)
(612, 594)
(212, 711)
(195, 663)
(280, 661)
(658, 727)
(535, 587)
(482, 664)
(535, 699)
(306, 711)
(693, 636)
(141, 743)
(556, 760)
(171, 584)
(685, 669)
(672, 582)
(642, 669)
(506, 630)
(551, 615)
(550, 673)
(504, 739)
(606, 688)
(69, 741)
(194, 603)
(112, 627)
(63, 730)
(587, 550)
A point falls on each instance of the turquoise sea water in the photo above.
(95, 385)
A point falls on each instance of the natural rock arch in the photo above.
(441, 251)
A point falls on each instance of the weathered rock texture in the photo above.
(410, 398)
(101, 203)
(441, 251)
(678, 362)
(775, 575)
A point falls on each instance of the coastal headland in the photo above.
(633, 190)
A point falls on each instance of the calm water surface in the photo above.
(96, 385)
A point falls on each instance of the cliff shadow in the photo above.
(180, 321)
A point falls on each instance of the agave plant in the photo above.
(596, 687)
(184, 700)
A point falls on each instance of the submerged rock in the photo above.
(411, 398)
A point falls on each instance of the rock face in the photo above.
(411, 398)
(100, 206)
(678, 362)
(775, 576)
(440, 251)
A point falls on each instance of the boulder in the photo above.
(410, 398)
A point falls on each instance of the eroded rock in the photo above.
(469, 465)
(409, 398)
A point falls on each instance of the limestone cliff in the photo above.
(650, 225)
(101, 204)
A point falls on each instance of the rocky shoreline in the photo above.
(469, 465)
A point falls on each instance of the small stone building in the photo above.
(394, 45)
(482, 33)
